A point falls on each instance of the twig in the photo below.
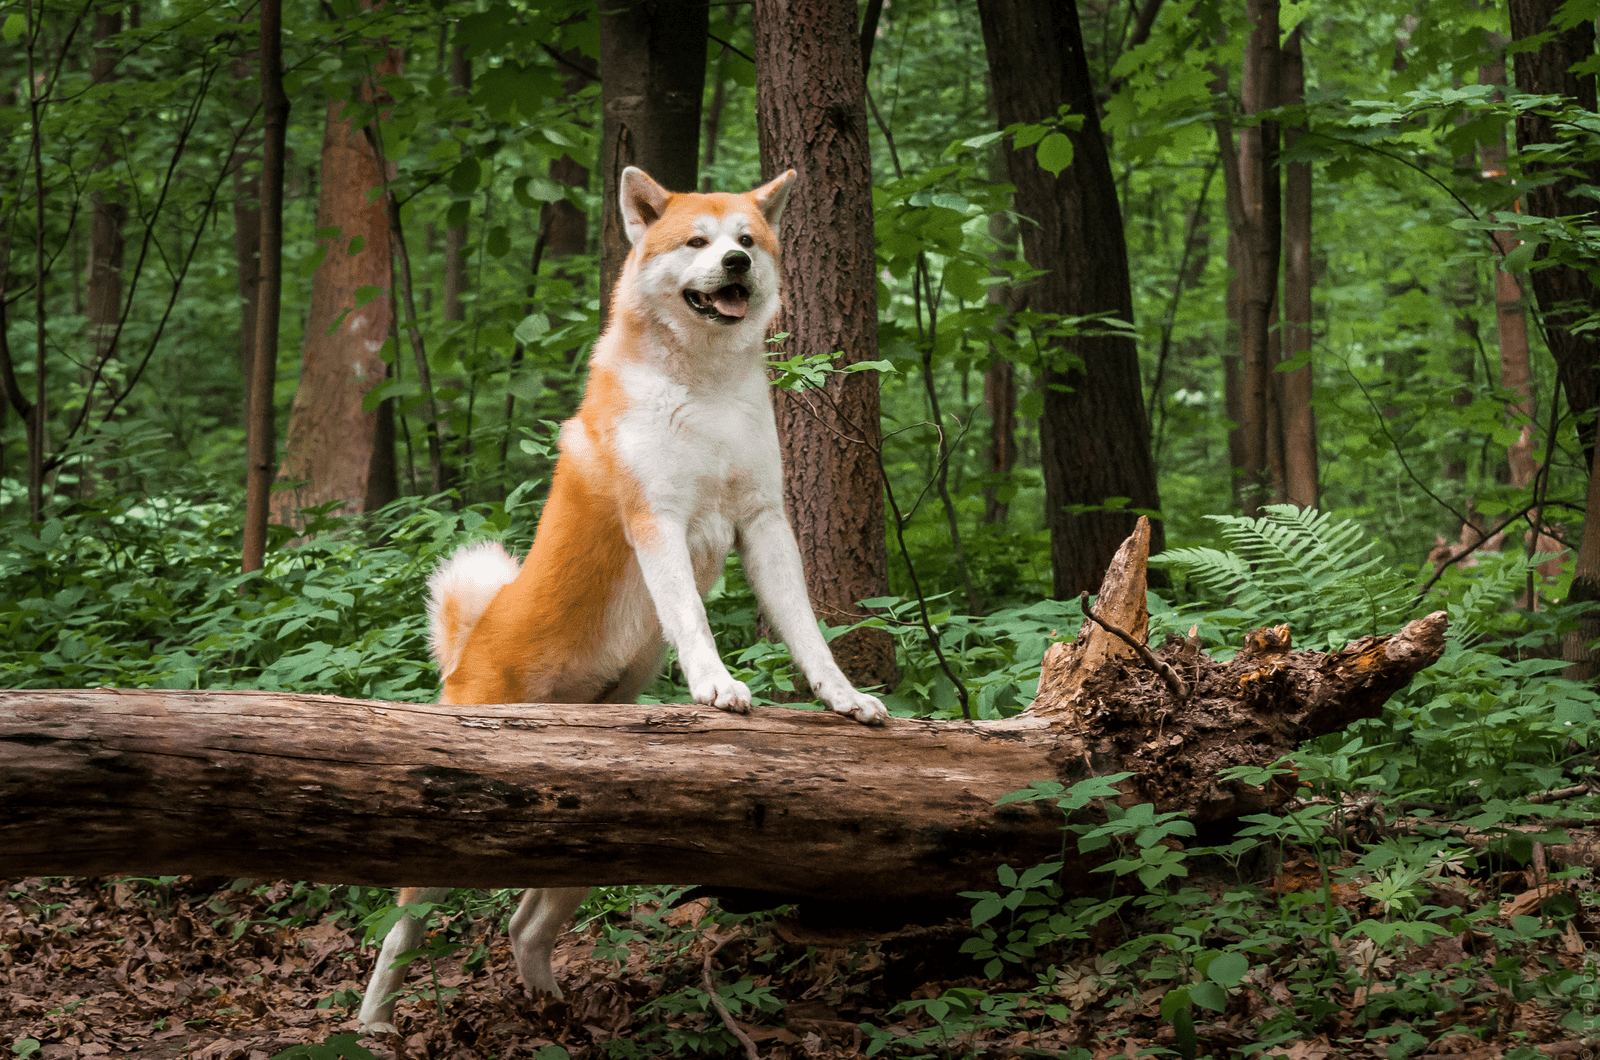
(900, 536)
(1175, 684)
(1457, 557)
(716, 999)
(1558, 794)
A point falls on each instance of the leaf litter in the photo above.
(216, 969)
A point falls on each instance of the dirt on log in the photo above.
(795, 802)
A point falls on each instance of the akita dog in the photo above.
(671, 462)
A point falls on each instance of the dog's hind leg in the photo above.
(377, 1008)
(534, 929)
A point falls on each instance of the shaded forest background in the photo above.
(1312, 284)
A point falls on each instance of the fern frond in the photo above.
(1298, 566)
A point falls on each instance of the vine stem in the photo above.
(900, 537)
(1175, 684)
(716, 998)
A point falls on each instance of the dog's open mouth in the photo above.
(725, 304)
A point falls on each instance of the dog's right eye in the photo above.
(698, 241)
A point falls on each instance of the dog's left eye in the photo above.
(698, 241)
(746, 241)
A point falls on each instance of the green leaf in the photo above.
(986, 910)
(886, 367)
(499, 243)
(532, 327)
(356, 243)
(465, 176)
(1028, 135)
(1518, 258)
(1228, 969)
(976, 142)
(964, 279)
(15, 26)
(1175, 1001)
(1055, 153)
(1209, 995)
(367, 294)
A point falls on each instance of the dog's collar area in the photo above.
(727, 304)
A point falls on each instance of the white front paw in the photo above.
(722, 692)
(868, 710)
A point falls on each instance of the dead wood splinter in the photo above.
(1175, 684)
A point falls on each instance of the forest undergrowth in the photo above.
(1428, 893)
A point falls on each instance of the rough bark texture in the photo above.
(329, 445)
(653, 72)
(103, 300)
(261, 433)
(792, 802)
(1094, 434)
(1565, 294)
(812, 117)
(1000, 378)
(1299, 424)
(1260, 230)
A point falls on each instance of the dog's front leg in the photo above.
(662, 548)
(772, 563)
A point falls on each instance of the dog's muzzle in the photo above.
(727, 304)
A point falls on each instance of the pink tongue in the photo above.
(731, 301)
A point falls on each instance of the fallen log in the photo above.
(805, 803)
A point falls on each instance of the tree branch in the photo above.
(1175, 684)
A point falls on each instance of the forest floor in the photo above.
(210, 969)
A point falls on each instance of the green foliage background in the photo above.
(132, 578)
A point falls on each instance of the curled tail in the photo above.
(458, 594)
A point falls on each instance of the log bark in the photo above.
(798, 803)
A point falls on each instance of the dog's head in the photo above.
(706, 261)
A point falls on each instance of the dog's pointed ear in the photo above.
(771, 196)
(642, 201)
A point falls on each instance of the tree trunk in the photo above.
(103, 298)
(247, 256)
(1094, 434)
(455, 237)
(261, 433)
(652, 77)
(1584, 663)
(38, 425)
(1000, 378)
(1299, 424)
(1260, 244)
(1566, 294)
(329, 447)
(800, 803)
(811, 116)
(1000, 397)
(566, 227)
(719, 96)
(1510, 304)
(1232, 375)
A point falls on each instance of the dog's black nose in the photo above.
(736, 261)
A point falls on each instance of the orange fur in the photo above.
(523, 647)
